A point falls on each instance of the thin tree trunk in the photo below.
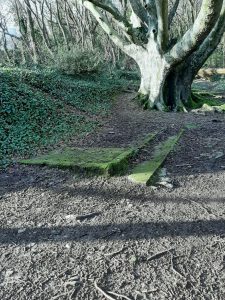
(32, 32)
(61, 25)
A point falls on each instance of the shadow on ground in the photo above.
(130, 231)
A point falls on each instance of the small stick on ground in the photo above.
(119, 295)
(112, 293)
(204, 207)
(159, 254)
(59, 296)
(103, 292)
(184, 165)
(73, 294)
(115, 252)
(174, 269)
(87, 216)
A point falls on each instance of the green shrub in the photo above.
(77, 61)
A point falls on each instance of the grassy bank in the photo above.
(41, 108)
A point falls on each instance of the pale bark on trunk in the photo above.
(163, 87)
(153, 70)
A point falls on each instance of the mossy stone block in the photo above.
(99, 161)
(144, 172)
(110, 161)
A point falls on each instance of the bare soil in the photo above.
(61, 234)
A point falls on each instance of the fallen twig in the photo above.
(112, 293)
(184, 165)
(73, 294)
(159, 254)
(119, 295)
(87, 216)
(103, 292)
(138, 293)
(205, 208)
(174, 269)
(115, 252)
(59, 296)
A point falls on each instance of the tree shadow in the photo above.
(126, 231)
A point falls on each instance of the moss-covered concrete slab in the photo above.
(101, 161)
(144, 172)
(92, 160)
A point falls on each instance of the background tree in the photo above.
(48, 31)
(168, 66)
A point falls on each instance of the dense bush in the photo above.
(77, 61)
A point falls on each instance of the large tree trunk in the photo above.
(163, 87)
(165, 90)
(154, 72)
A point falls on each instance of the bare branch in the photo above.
(104, 24)
(112, 9)
(162, 16)
(173, 11)
(139, 11)
(207, 17)
(210, 43)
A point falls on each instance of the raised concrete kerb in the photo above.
(144, 172)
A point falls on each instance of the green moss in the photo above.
(221, 107)
(144, 172)
(110, 161)
(119, 165)
(142, 100)
(199, 98)
(95, 160)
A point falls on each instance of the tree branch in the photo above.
(103, 22)
(210, 43)
(139, 11)
(109, 7)
(173, 11)
(162, 16)
(207, 18)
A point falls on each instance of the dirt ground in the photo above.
(63, 236)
